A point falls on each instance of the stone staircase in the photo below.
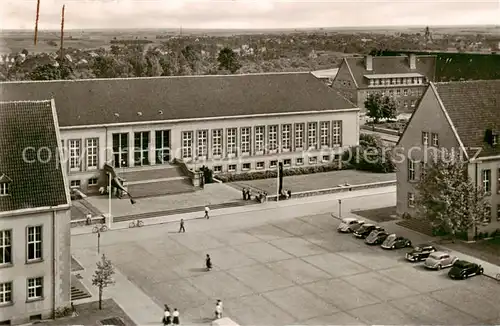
(77, 294)
(156, 181)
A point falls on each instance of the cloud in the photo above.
(83, 14)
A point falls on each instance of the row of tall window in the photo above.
(33, 245)
(90, 156)
(262, 139)
(397, 81)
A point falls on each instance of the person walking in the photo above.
(208, 262)
(166, 316)
(218, 310)
(182, 228)
(207, 210)
(175, 314)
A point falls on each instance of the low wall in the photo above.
(337, 189)
(93, 220)
(382, 130)
(193, 176)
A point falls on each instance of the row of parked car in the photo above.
(433, 259)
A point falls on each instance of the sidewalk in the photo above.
(136, 304)
(490, 270)
(243, 209)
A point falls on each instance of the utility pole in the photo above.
(62, 33)
(36, 21)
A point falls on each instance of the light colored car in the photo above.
(347, 223)
(440, 259)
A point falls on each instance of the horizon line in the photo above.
(259, 29)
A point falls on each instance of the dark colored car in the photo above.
(365, 230)
(462, 269)
(395, 242)
(356, 227)
(420, 252)
(376, 237)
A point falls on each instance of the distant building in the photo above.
(402, 78)
(35, 260)
(231, 124)
(460, 116)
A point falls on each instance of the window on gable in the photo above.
(5, 182)
(4, 188)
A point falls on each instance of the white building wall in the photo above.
(20, 270)
(350, 137)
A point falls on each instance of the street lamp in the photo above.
(109, 205)
(98, 241)
(340, 208)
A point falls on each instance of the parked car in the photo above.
(396, 242)
(420, 252)
(440, 259)
(376, 237)
(347, 223)
(356, 227)
(365, 230)
(462, 269)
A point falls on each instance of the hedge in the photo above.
(227, 177)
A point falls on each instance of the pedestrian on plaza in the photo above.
(166, 316)
(249, 194)
(175, 314)
(182, 228)
(244, 193)
(208, 262)
(207, 210)
(218, 310)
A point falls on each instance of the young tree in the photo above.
(448, 198)
(380, 107)
(103, 276)
(228, 60)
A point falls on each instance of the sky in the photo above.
(245, 14)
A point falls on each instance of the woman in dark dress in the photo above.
(166, 316)
(175, 314)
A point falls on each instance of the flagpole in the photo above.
(109, 202)
(278, 182)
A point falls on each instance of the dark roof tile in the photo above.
(24, 125)
(96, 101)
(473, 107)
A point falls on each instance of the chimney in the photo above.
(413, 61)
(369, 63)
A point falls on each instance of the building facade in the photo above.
(231, 124)
(35, 259)
(455, 116)
(402, 78)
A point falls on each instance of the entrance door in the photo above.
(162, 146)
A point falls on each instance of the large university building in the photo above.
(35, 259)
(462, 116)
(232, 124)
(402, 78)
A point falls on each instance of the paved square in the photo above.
(293, 271)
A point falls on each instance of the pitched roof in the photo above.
(106, 101)
(473, 107)
(30, 125)
(425, 65)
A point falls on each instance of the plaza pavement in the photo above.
(284, 264)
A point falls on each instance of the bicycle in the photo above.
(137, 223)
(99, 228)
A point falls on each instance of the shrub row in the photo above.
(482, 235)
(227, 177)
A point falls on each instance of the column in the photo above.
(131, 144)
(152, 147)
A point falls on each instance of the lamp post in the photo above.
(278, 182)
(98, 241)
(340, 208)
(109, 204)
